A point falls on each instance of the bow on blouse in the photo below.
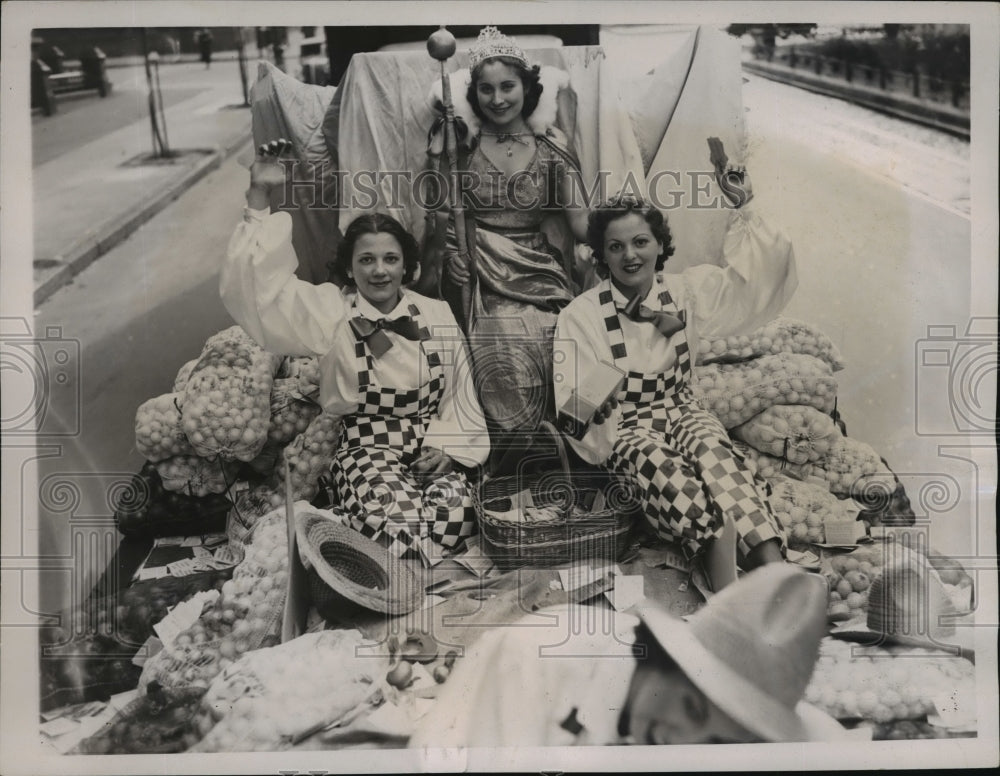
(373, 332)
(667, 324)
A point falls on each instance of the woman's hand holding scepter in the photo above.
(441, 46)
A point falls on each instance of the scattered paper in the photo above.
(575, 577)
(627, 592)
(668, 558)
(955, 708)
(168, 541)
(201, 552)
(481, 567)
(84, 710)
(191, 541)
(432, 600)
(607, 569)
(808, 560)
(122, 699)
(183, 616)
(228, 555)
(843, 533)
(430, 552)
(156, 572)
(150, 647)
(214, 540)
(474, 559)
(181, 568)
(58, 727)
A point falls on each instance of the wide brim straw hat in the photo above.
(347, 567)
(752, 648)
(909, 605)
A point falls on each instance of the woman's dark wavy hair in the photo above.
(530, 79)
(619, 207)
(373, 223)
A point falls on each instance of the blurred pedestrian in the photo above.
(205, 46)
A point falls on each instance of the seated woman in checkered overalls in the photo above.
(393, 363)
(696, 488)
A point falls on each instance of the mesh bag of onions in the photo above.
(226, 410)
(158, 430)
(736, 392)
(246, 615)
(797, 433)
(782, 335)
(804, 509)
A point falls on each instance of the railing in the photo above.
(913, 84)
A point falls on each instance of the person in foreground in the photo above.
(734, 672)
(695, 487)
(393, 363)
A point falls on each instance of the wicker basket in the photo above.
(576, 532)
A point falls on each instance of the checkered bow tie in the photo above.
(373, 332)
(667, 324)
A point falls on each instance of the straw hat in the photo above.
(909, 605)
(345, 567)
(751, 649)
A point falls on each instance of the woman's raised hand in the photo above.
(735, 184)
(266, 172)
(733, 180)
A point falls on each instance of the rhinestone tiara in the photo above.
(493, 43)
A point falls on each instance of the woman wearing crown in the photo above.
(517, 170)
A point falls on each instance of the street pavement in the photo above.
(96, 181)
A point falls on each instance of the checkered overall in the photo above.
(378, 443)
(680, 455)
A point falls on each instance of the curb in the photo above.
(926, 114)
(85, 251)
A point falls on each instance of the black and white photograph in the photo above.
(399, 387)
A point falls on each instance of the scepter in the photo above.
(441, 46)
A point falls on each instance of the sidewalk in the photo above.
(89, 199)
(935, 115)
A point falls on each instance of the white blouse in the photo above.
(753, 288)
(290, 316)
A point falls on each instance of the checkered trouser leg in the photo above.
(381, 501)
(730, 485)
(384, 503)
(673, 500)
(449, 505)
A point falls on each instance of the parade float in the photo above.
(259, 621)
